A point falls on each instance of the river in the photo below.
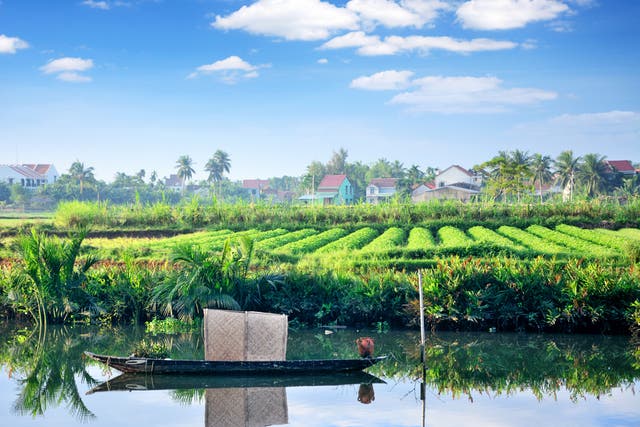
(471, 379)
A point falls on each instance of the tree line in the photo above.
(508, 176)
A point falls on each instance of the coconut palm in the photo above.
(541, 169)
(217, 166)
(80, 173)
(184, 164)
(592, 174)
(566, 167)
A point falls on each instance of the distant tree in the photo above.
(397, 170)
(567, 167)
(315, 172)
(541, 169)
(5, 192)
(506, 174)
(357, 174)
(593, 174)
(141, 174)
(338, 163)
(184, 165)
(154, 177)
(20, 195)
(380, 169)
(81, 174)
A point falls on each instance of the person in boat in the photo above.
(365, 347)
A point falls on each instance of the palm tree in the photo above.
(566, 167)
(541, 169)
(217, 166)
(78, 171)
(593, 173)
(185, 169)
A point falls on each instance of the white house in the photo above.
(455, 182)
(381, 189)
(29, 176)
(457, 175)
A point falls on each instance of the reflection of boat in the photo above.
(203, 367)
(134, 382)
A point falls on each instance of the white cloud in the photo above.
(384, 80)
(72, 76)
(11, 44)
(230, 69)
(391, 45)
(68, 69)
(323, 61)
(508, 14)
(290, 19)
(407, 13)
(465, 94)
(103, 5)
(67, 64)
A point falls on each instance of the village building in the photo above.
(455, 182)
(381, 190)
(30, 176)
(624, 167)
(256, 187)
(333, 190)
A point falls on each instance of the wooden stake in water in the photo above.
(422, 334)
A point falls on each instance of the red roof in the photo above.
(332, 182)
(255, 184)
(622, 166)
(384, 182)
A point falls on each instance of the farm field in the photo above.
(389, 245)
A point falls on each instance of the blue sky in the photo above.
(134, 84)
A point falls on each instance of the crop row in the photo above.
(420, 238)
(279, 241)
(452, 237)
(391, 239)
(311, 243)
(531, 241)
(572, 242)
(484, 235)
(355, 240)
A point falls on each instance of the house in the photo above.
(624, 167)
(29, 176)
(333, 190)
(456, 174)
(255, 187)
(174, 182)
(455, 183)
(381, 189)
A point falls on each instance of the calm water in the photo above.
(472, 379)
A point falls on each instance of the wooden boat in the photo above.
(143, 382)
(208, 367)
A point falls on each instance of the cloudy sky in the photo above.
(123, 85)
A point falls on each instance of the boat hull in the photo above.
(208, 367)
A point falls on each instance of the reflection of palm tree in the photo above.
(185, 169)
(50, 364)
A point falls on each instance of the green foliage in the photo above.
(420, 238)
(47, 283)
(172, 326)
(154, 350)
(539, 295)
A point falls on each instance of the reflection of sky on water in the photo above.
(396, 404)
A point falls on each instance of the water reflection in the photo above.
(48, 370)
